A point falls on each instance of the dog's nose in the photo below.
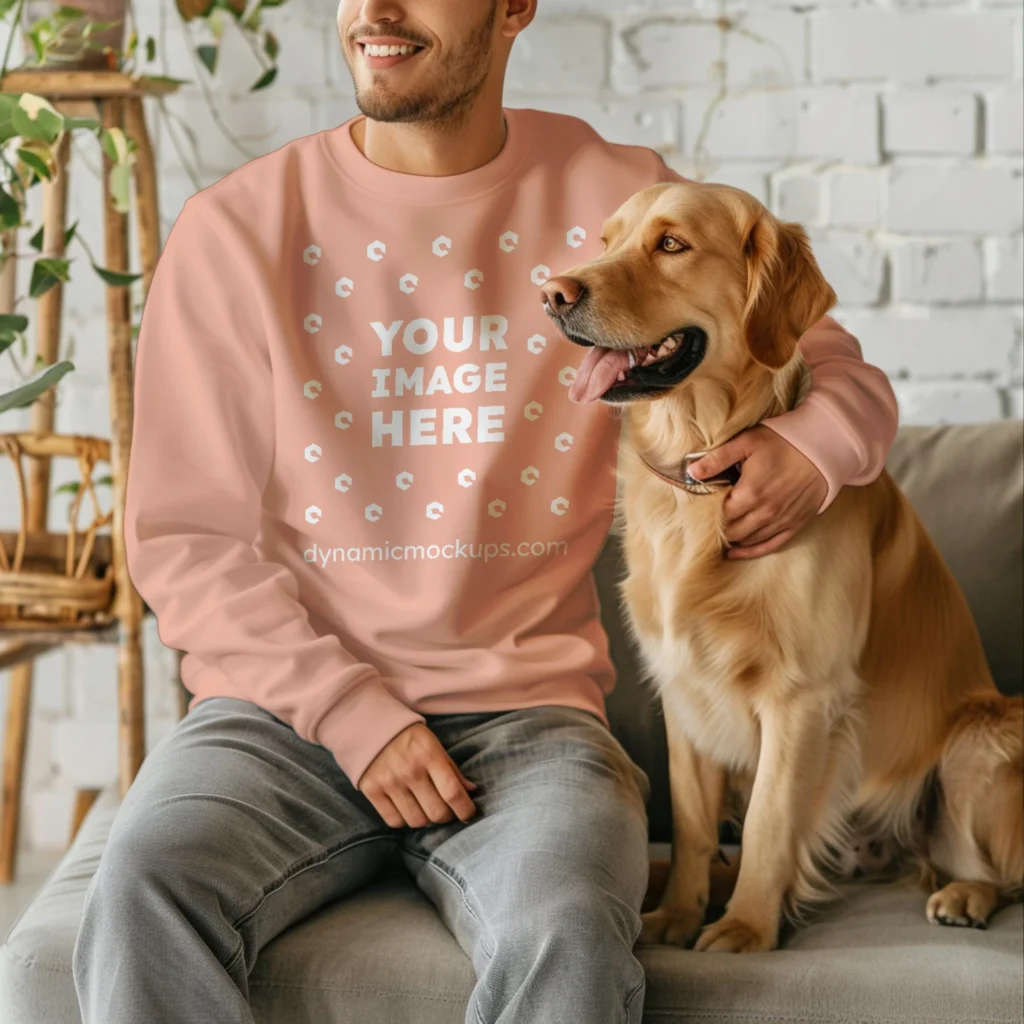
(560, 294)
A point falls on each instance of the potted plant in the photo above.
(92, 34)
(82, 37)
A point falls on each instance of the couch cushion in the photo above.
(383, 956)
(966, 482)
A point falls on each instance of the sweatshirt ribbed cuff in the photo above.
(835, 452)
(362, 724)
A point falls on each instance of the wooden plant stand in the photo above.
(30, 628)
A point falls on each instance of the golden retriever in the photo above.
(837, 682)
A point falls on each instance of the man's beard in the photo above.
(460, 78)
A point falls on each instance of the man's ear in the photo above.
(786, 292)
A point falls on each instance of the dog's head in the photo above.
(695, 279)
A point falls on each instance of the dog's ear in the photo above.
(786, 292)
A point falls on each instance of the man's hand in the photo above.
(779, 491)
(414, 782)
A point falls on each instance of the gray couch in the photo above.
(383, 956)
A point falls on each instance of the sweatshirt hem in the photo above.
(582, 695)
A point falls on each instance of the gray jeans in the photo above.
(236, 828)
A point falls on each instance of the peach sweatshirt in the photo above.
(358, 491)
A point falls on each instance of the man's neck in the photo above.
(433, 149)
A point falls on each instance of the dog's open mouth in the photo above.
(619, 375)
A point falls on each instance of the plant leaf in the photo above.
(116, 145)
(25, 395)
(36, 241)
(73, 486)
(45, 274)
(35, 118)
(8, 104)
(32, 104)
(35, 36)
(208, 55)
(10, 212)
(12, 322)
(40, 162)
(120, 187)
(265, 79)
(117, 278)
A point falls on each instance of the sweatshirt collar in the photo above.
(418, 189)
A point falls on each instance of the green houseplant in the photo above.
(95, 34)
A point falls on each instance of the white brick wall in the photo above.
(937, 273)
(944, 196)
(930, 122)
(865, 44)
(1004, 120)
(892, 129)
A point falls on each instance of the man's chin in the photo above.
(390, 108)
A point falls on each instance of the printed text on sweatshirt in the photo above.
(358, 491)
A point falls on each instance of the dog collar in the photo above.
(727, 478)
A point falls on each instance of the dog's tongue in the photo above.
(597, 373)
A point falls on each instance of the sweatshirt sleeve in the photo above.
(847, 422)
(202, 453)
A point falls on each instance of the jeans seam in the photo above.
(448, 872)
(236, 956)
(637, 989)
(301, 866)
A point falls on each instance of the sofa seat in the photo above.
(383, 956)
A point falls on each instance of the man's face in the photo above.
(440, 53)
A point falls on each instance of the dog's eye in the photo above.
(672, 244)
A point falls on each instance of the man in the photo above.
(362, 503)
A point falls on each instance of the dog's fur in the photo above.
(840, 679)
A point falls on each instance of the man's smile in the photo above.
(386, 52)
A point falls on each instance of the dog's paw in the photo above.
(734, 935)
(670, 928)
(962, 905)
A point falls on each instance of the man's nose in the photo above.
(560, 294)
